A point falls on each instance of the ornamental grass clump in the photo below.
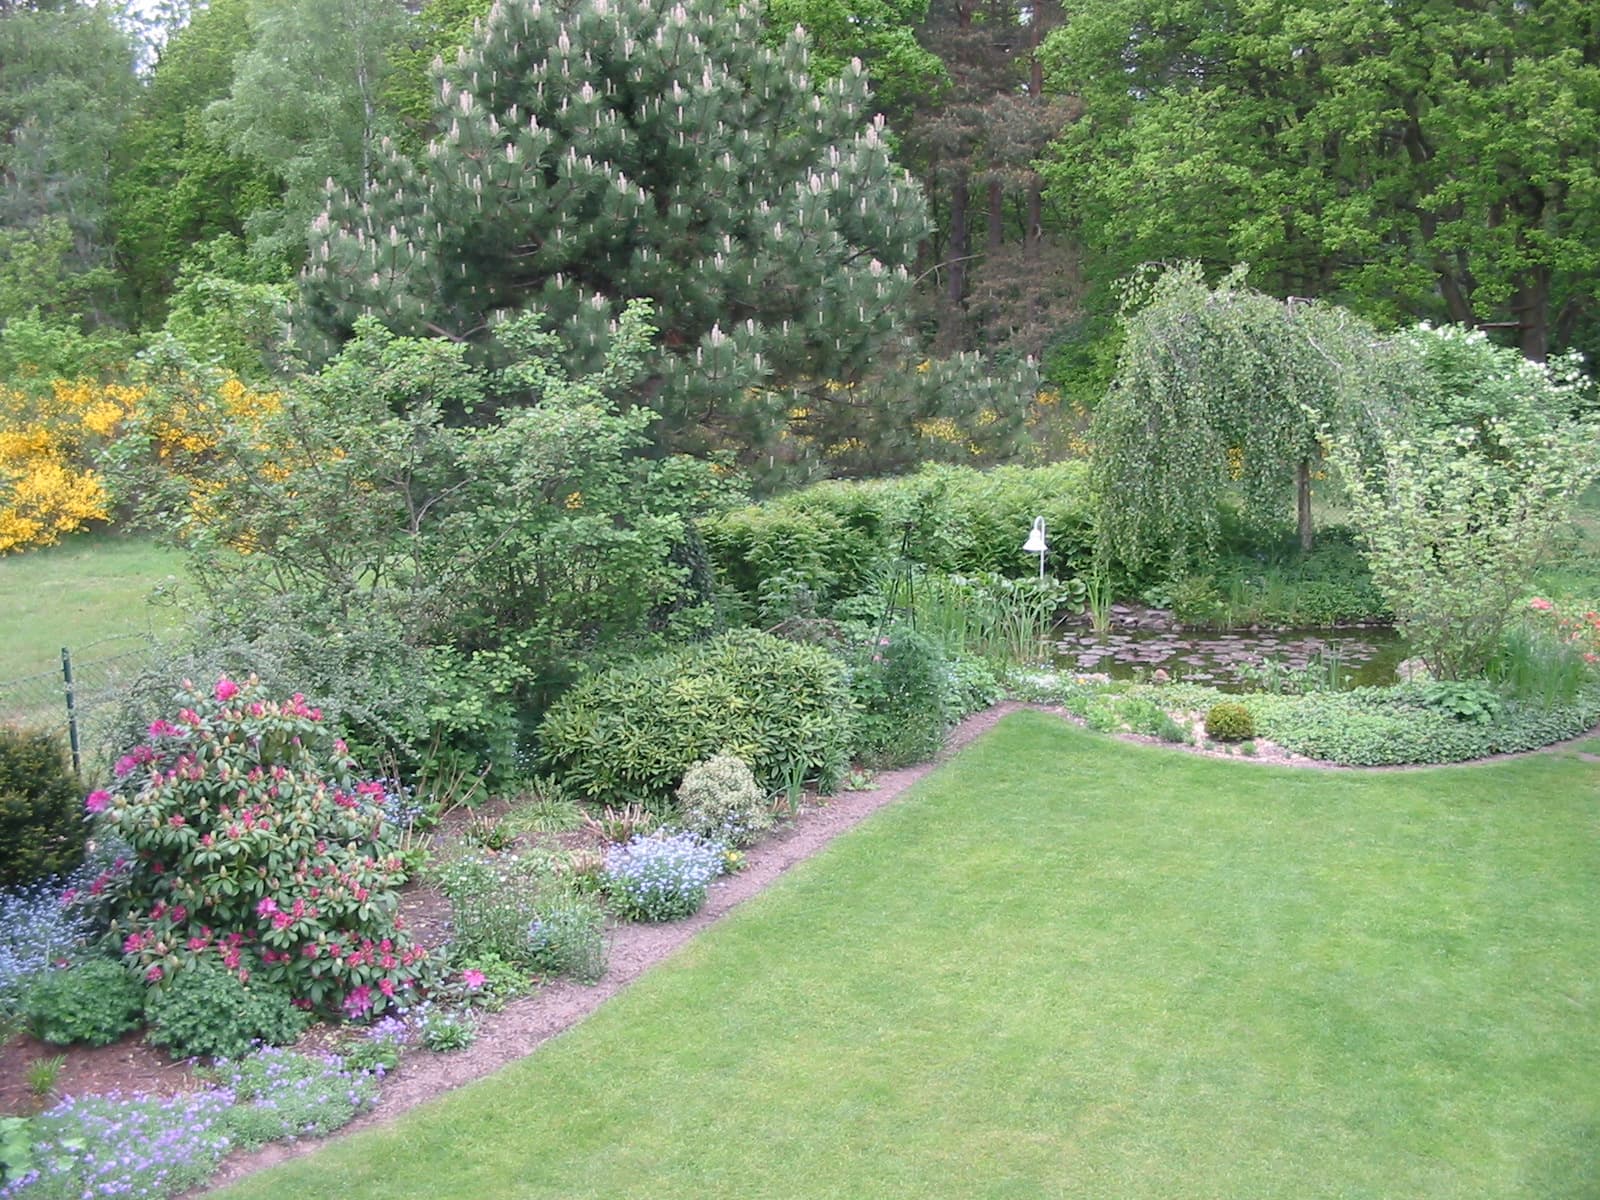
(662, 877)
(254, 846)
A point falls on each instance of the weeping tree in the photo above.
(1218, 398)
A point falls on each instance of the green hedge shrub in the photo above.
(42, 826)
(836, 539)
(1229, 721)
(631, 733)
(94, 1002)
(208, 1012)
(904, 693)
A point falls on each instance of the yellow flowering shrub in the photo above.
(51, 439)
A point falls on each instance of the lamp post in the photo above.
(1036, 543)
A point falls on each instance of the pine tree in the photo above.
(596, 151)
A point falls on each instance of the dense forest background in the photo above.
(164, 165)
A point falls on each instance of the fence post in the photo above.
(72, 711)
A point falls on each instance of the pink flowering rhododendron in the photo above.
(256, 846)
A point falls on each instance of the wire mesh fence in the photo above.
(75, 700)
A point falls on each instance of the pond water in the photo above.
(1137, 649)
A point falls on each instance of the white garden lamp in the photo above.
(1036, 543)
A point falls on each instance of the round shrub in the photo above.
(720, 800)
(902, 691)
(1229, 721)
(42, 830)
(662, 877)
(631, 733)
(256, 846)
(208, 1012)
(94, 1002)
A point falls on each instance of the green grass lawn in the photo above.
(1067, 966)
(78, 593)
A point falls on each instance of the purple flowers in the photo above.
(662, 876)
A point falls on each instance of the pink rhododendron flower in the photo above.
(474, 979)
(1540, 604)
(98, 801)
(227, 689)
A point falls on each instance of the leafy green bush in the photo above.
(719, 799)
(1230, 721)
(631, 733)
(42, 830)
(568, 938)
(256, 845)
(93, 1002)
(902, 690)
(972, 685)
(208, 1012)
(835, 539)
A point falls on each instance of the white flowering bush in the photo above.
(662, 876)
(719, 799)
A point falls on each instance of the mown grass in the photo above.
(1069, 967)
(83, 590)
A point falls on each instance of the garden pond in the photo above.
(1140, 642)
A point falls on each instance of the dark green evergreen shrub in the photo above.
(205, 1011)
(1230, 721)
(631, 733)
(94, 1002)
(42, 826)
(903, 690)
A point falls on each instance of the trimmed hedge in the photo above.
(631, 733)
(837, 538)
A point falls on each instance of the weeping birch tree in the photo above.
(1218, 399)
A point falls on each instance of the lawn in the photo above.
(79, 593)
(1067, 966)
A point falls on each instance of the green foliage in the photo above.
(255, 844)
(16, 1148)
(521, 910)
(1218, 397)
(972, 686)
(432, 582)
(444, 1030)
(279, 1095)
(775, 249)
(568, 938)
(1465, 488)
(66, 91)
(901, 687)
(94, 1002)
(1229, 721)
(305, 100)
(1471, 701)
(720, 800)
(632, 732)
(42, 830)
(836, 540)
(1230, 132)
(207, 1011)
(1406, 724)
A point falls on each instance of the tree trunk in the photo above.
(1303, 503)
(956, 282)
